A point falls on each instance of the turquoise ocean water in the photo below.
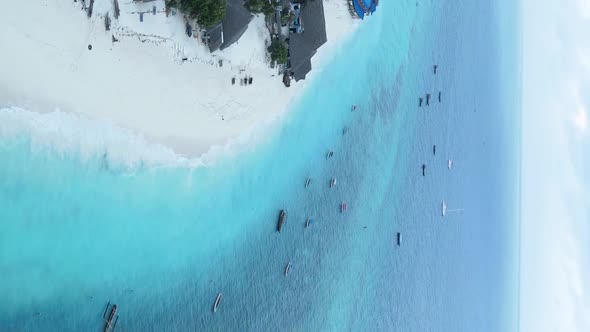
(80, 228)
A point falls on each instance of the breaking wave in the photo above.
(65, 133)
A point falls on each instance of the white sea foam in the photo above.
(62, 133)
(75, 134)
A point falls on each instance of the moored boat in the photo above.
(307, 182)
(282, 217)
(343, 206)
(287, 269)
(445, 210)
(399, 239)
(217, 302)
(111, 321)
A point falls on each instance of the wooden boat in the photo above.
(282, 218)
(287, 269)
(217, 302)
(111, 321)
(333, 182)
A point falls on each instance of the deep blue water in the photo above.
(161, 242)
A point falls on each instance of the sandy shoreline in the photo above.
(141, 83)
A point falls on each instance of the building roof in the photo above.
(232, 26)
(302, 69)
(215, 37)
(303, 46)
(235, 22)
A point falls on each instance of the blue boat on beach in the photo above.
(364, 7)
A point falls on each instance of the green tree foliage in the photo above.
(278, 51)
(207, 12)
(260, 6)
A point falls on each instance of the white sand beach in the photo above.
(141, 82)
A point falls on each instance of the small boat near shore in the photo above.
(343, 207)
(282, 218)
(111, 321)
(307, 222)
(333, 182)
(450, 163)
(307, 182)
(399, 239)
(217, 302)
(287, 269)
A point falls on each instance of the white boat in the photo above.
(287, 269)
(450, 163)
(445, 210)
(217, 302)
(307, 222)
(307, 182)
(333, 183)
